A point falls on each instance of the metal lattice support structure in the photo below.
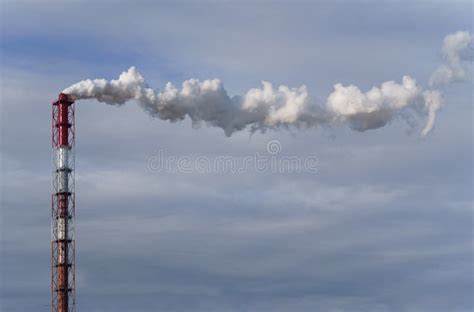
(63, 297)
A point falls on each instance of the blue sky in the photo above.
(384, 225)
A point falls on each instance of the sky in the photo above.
(384, 223)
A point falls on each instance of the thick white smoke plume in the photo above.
(269, 107)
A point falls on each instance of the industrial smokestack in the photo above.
(268, 107)
(63, 206)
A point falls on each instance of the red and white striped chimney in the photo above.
(63, 206)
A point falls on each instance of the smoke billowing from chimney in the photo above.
(269, 107)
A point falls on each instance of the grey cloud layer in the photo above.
(394, 240)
